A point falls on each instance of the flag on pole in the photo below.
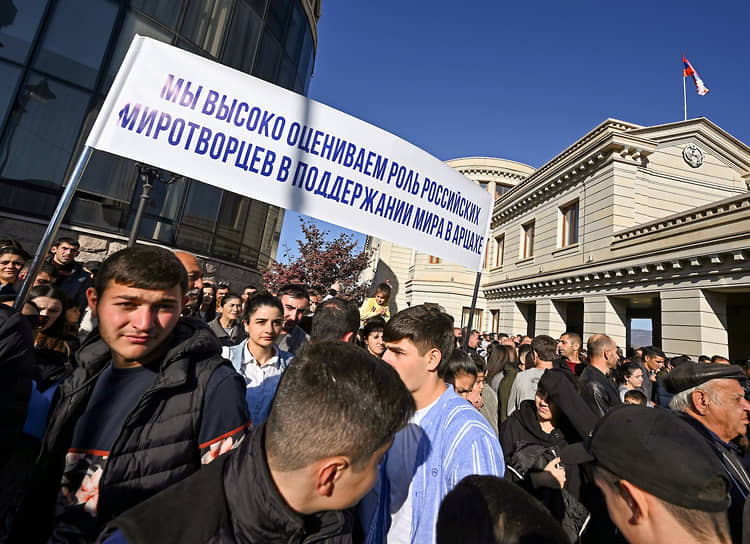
(688, 70)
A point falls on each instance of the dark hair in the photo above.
(425, 326)
(490, 510)
(545, 347)
(500, 356)
(637, 396)
(334, 319)
(373, 324)
(383, 288)
(67, 240)
(623, 372)
(704, 359)
(680, 360)
(480, 362)
(230, 296)
(523, 351)
(48, 268)
(574, 337)
(715, 358)
(14, 249)
(652, 351)
(143, 267)
(222, 285)
(249, 286)
(294, 291)
(56, 329)
(459, 361)
(258, 300)
(335, 399)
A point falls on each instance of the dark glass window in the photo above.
(231, 224)
(19, 22)
(252, 238)
(199, 217)
(164, 12)
(64, 53)
(268, 58)
(109, 176)
(242, 42)
(259, 6)
(306, 57)
(296, 32)
(132, 25)
(42, 134)
(9, 75)
(277, 16)
(287, 74)
(205, 23)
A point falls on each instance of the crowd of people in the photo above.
(142, 402)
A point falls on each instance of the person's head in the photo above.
(713, 394)
(544, 348)
(382, 293)
(137, 297)
(635, 396)
(335, 319)
(263, 318)
(569, 345)
(602, 352)
(335, 413)
(315, 299)
(295, 300)
(704, 359)
(491, 510)
(473, 339)
(526, 339)
(372, 336)
(417, 339)
(193, 269)
(547, 410)
(12, 258)
(222, 290)
(460, 371)
(525, 357)
(248, 291)
(720, 359)
(630, 375)
(47, 274)
(653, 358)
(680, 493)
(209, 294)
(500, 356)
(51, 302)
(65, 250)
(231, 307)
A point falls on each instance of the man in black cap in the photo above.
(679, 495)
(710, 397)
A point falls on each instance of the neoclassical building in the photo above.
(629, 223)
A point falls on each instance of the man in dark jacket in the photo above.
(72, 277)
(336, 411)
(150, 400)
(597, 388)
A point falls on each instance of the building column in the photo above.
(694, 322)
(512, 320)
(550, 317)
(605, 315)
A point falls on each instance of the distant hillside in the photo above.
(640, 338)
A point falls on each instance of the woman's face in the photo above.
(636, 379)
(50, 307)
(10, 266)
(264, 326)
(546, 410)
(231, 308)
(73, 314)
(375, 343)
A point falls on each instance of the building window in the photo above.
(527, 245)
(499, 250)
(569, 224)
(434, 260)
(501, 189)
(495, 321)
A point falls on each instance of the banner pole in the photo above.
(54, 224)
(471, 311)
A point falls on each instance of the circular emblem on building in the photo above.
(693, 155)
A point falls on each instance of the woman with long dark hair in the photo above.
(53, 348)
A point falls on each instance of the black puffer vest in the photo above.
(158, 444)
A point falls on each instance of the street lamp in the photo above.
(148, 174)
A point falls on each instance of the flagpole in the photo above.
(684, 96)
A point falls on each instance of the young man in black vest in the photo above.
(336, 411)
(150, 401)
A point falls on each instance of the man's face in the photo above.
(473, 340)
(65, 253)
(135, 322)
(412, 367)
(566, 347)
(193, 268)
(727, 409)
(653, 363)
(208, 295)
(294, 310)
(221, 292)
(247, 293)
(463, 383)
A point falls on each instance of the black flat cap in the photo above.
(691, 374)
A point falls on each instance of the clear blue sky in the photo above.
(524, 80)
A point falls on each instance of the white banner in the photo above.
(195, 117)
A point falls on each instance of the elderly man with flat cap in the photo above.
(710, 397)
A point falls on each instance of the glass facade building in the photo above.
(57, 61)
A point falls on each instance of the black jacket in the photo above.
(232, 500)
(598, 390)
(157, 446)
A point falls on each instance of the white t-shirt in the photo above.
(400, 469)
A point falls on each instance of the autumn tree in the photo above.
(321, 263)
